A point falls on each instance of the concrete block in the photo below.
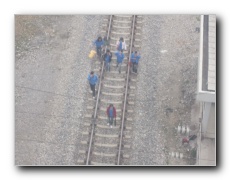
(212, 50)
(211, 86)
(212, 17)
(211, 67)
(212, 61)
(212, 57)
(212, 29)
(212, 45)
(212, 39)
(211, 74)
(211, 80)
(211, 34)
(212, 24)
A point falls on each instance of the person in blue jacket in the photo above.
(107, 58)
(120, 57)
(135, 57)
(93, 79)
(99, 44)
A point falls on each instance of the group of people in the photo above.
(120, 46)
(107, 57)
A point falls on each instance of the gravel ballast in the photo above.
(51, 68)
(166, 87)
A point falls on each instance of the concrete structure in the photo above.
(206, 154)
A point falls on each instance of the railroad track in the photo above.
(102, 145)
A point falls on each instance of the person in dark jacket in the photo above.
(107, 58)
(111, 113)
(120, 58)
(121, 45)
(99, 44)
(135, 57)
(93, 79)
(106, 41)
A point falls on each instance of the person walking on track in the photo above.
(99, 44)
(120, 57)
(135, 57)
(107, 58)
(121, 45)
(111, 113)
(93, 79)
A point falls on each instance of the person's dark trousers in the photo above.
(110, 121)
(99, 51)
(107, 65)
(135, 67)
(93, 89)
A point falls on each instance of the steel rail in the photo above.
(98, 95)
(126, 91)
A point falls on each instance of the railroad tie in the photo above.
(133, 80)
(106, 118)
(113, 87)
(120, 33)
(112, 94)
(126, 156)
(105, 109)
(111, 102)
(116, 72)
(84, 142)
(85, 133)
(90, 107)
(88, 116)
(128, 128)
(82, 152)
(87, 124)
(129, 119)
(137, 34)
(125, 52)
(127, 146)
(122, 65)
(115, 39)
(107, 135)
(130, 111)
(104, 154)
(107, 127)
(124, 16)
(138, 27)
(131, 102)
(122, 27)
(125, 22)
(80, 161)
(132, 87)
(98, 62)
(131, 95)
(136, 46)
(137, 40)
(105, 145)
(101, 164)
(97, 70)
(127, 137)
